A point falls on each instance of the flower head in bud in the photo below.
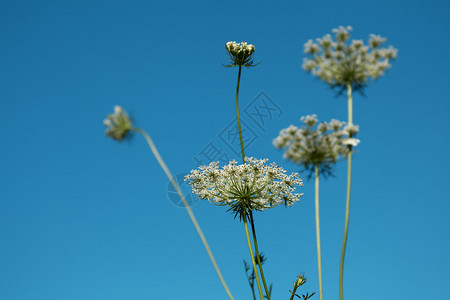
(246, 187)
(118, 124)
(240, 54)
(301, 280)
(342, 62)
(321, 146)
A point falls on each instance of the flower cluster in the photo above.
(118, 124)
(321, 147)
(340, 63)
(240, 54)
(246, 187)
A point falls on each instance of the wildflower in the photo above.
(341, 63)
(118, 124)
(246, 187)
(351, 129)
(322, 146)
(351, 142)
(240, 54)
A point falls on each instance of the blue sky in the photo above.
(82, 217)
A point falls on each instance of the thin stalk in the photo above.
(237, 113)
(245, 217)
(258, 258)
(252, 256)
(350, 104)
(347, 205)
(347, 213)
(186, 204)
(251, 280)
(253, 289)
(319, 255)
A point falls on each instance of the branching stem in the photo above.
(252, 256)
(258, 258)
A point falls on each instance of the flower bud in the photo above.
(118, 124)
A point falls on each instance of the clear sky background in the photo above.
(83, 217)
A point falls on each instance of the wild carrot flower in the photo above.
(320, 145)
(240, 54)
(118, 124)
(341, 63)
(245, 187)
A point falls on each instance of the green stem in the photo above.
(244, 214)
(253, 289)
(319, 255)
(258, 258)
(252, 256)
(293, 292)
(186, 204)
(237, 113)
(347, 205)
(350, 104)
(245, 219)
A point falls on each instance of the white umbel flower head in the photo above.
(340, 62)
(322, 146)
(245, 187)
(240, 54)
(118, 124)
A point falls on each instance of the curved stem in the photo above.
(237, 113)
(252, 256)
(186, 204)
(347, 205)
(319, 255)
(258, 258)
(347, 213)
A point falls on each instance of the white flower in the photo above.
(309, 120)
(321, 146)
(240, 54)
(246, 187)
(118, 109)
(340, 62)
(351, 141)
(351, 129)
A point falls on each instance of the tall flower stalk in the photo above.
(319, 252)
(316, 149)
(347, 66)
(242, 55)
(250, 186)
(347, 201)
(119, 127)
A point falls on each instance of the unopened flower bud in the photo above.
(301, 279)
(240, 54)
